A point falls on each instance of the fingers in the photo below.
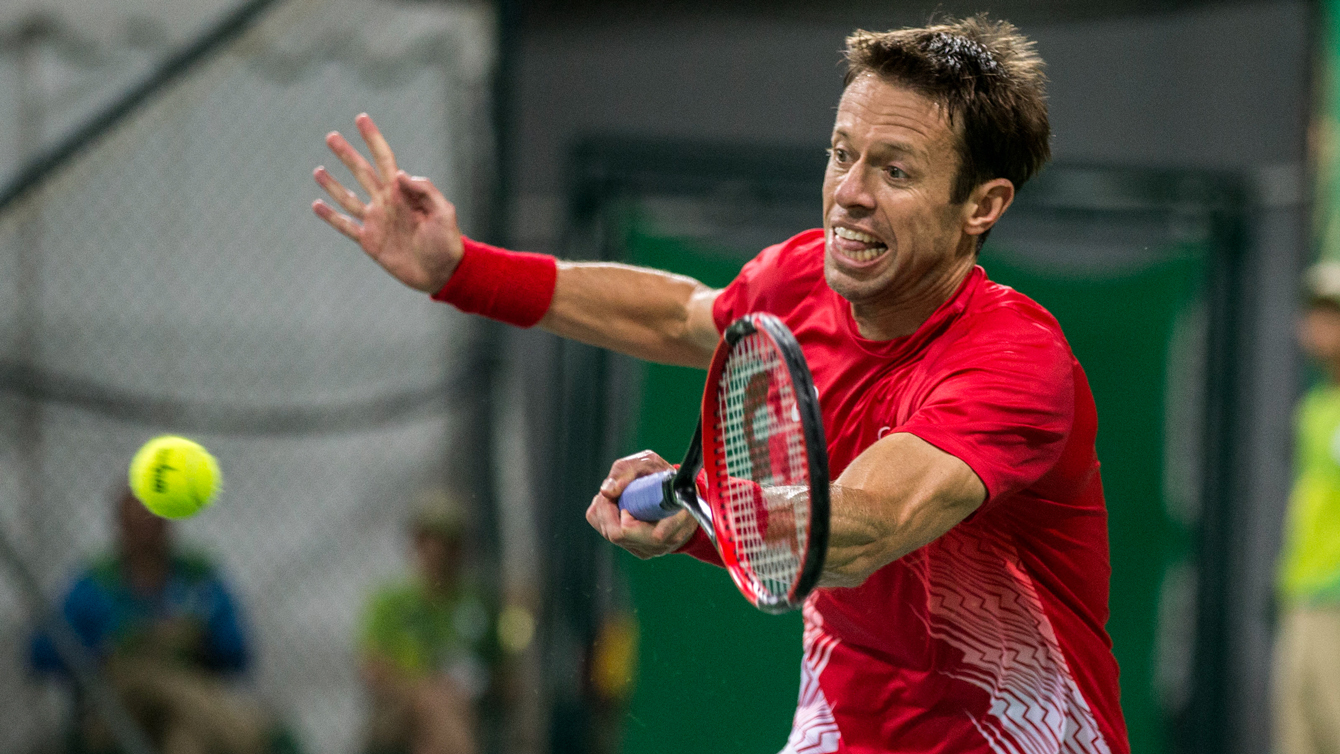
(671, 533)
(628, 468)
(638, 537)
(603, 516)
(342, 196)
(339, 222)
(423, 195)
(381, 151)
(645, 540)
(363, 171)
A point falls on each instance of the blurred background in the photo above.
(160, 271)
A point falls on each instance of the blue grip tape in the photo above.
(644, 497)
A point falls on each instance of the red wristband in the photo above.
(515, 287)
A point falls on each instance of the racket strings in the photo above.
(765, 480)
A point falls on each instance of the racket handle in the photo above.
(648, 498)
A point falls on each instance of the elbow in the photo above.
(852, 559)
(853, 571)
(851, 565)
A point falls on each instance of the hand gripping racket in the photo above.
(760, 438)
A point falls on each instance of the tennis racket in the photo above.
(760, 438)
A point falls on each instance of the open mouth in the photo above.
(857, 246)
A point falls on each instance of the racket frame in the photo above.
(807, 403)
(684, 485)
(680, 488)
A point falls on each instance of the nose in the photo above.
(851, 191)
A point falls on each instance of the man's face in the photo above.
(1319, 333)
(891, 232)
(437, 556)
(140, 532)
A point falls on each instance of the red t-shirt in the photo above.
(989, 639)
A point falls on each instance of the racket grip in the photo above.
(646, 497)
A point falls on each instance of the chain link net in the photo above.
(173, 279)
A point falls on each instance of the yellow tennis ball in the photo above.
(174, 477)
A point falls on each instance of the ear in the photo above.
(986, 204)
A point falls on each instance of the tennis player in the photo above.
(965, 590)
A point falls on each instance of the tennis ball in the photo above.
(174, 477)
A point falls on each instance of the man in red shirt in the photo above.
(963, 599)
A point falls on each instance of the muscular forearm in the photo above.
(645, 313)
(892, 501)
(867, 534)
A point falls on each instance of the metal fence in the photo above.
(171, 278)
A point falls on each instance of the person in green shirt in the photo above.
(426, 650)
(1307, 666)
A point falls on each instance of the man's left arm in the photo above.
(995, 424)
(226, 647)
(900, 494)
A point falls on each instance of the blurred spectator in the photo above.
(1307, 672)
(428, 652)
(613, 670)
(164, 628)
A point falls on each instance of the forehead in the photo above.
(876, 109)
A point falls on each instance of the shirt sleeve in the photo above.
(746, 293)
(86, 612)
(1003, 403)
(226, 647)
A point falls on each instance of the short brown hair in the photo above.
(990, 80)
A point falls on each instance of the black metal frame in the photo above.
(199, 51)
(25, 381)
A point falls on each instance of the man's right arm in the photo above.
(409, 228)
(646, 313)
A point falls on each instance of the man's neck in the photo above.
(898, 319)
(146, 572)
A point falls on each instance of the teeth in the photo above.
(861, 255)
(854, 235)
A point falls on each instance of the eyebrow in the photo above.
(886, 147)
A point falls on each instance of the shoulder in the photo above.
(1000, 317)
(97, 581)
(1004, 335)
(1319, 408)
(775, 280)
(809, 242)
(801, 253)
(195, 568)
(103, 572)
(1319, 397)
(997, 306)
(392, 597)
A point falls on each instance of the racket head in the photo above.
(766, 463)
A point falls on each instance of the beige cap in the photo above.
(1321, 282)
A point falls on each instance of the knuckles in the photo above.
(645, 460)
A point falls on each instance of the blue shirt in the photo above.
(110, 618)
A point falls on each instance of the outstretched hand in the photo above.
(643, 539)
(407, 226)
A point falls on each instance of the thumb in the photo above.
(421, 191)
